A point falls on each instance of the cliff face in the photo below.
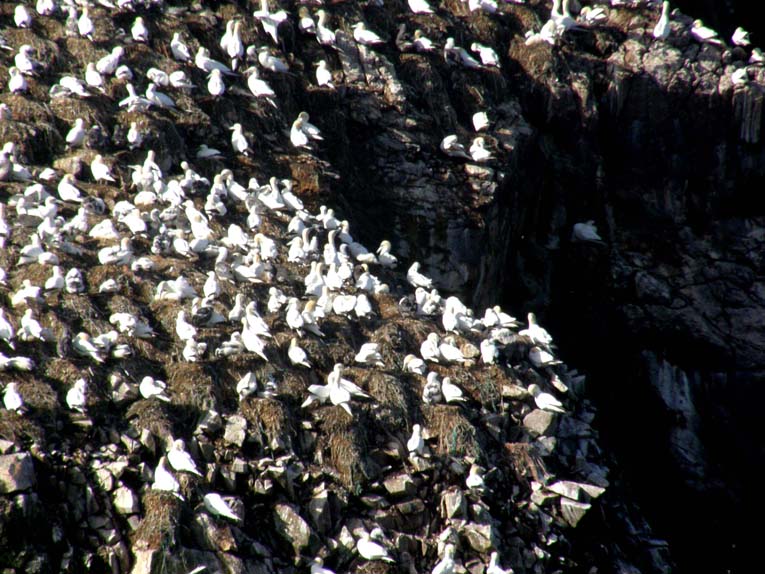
(650, 139)
(656, 143)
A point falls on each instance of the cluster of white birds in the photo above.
(340, 278)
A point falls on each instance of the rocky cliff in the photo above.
(651, 139)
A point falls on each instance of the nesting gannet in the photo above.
(662, 28)
(139, 31)
(487, 54)
(413, 364)
(416, 444)
(24, 61)
(45, 7)
(317, 567)
(179, 50)
(153, 388)
(324, 35)
(203, 61)
(421, 42)
(474, 480)
(67, 191)
(457, 54)
(109, 63)
(259, 87)
(11, 398)
(297, 355)
(85, 25)
(586, 231)
(238, 141)
(705, 34)
(478, 150)
(451, 147)
(364, 36)
(271, 62)
(234, 46)
(545, 401)
(489, 6)
(180, 460)
(100, 170)
(417, 279)
(447, 564)
(18, 363)
(370, 550)
(158, 98)
(247, 385)
(216, 87)
(22, 17)
(369, 354)
(740, 37)
(302, 131)
(480, 121)
(451, 392)
(542, 358)
(164, 480)
(431, 392)
(323, 75)
(76, 397)
(76, 135)
(270, 20)
(536, 332)
(305, 22)
(7, 332)
(134, 136)
(30, 328)
(420, 6)
(17, 81)
(217, 506)
(494, 567)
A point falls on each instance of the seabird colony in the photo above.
(117, 276)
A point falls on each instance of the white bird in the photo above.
(134, 136)
(271, 62)
(179, 49)
(22, 16)
(478, 150)
(217, 506)
(474, 480)
(451, 147)
(420, 6)
(203, 61)
(586, 231)
(183, 328)
(545, 401)
(297, 355)
(7, 332)
(416, 444)
(109, 63)
(662, 29)
(76, 135)
(259, 87)
(480, 121)
(489, 351)
(740, 37)
(180, 460)
(370, 550)
(164, 479)
(93, 77)
(705, 34)
(454, 53)
(451, 392)
(215, 84)
(11, 397)
(247, 385)
(384, 256)
(364, 36)
(17, 81)
(494, 567)
(85, 24)
(323, 74)
(487, 54)
(270, 20)
(541, 358)
(324, 35)
(369, 354)
(25, 61)
(536, 332)
(67, 191)
(76, 396)
(447, 564)
(139, 31)
(238, 140)
(422, 43)
(317, 567)
(158, 98)
(429, 348)
(303, 131)
(305, 23)
(413, 364)
(100, 170)
(417, 279)
(153, 388)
